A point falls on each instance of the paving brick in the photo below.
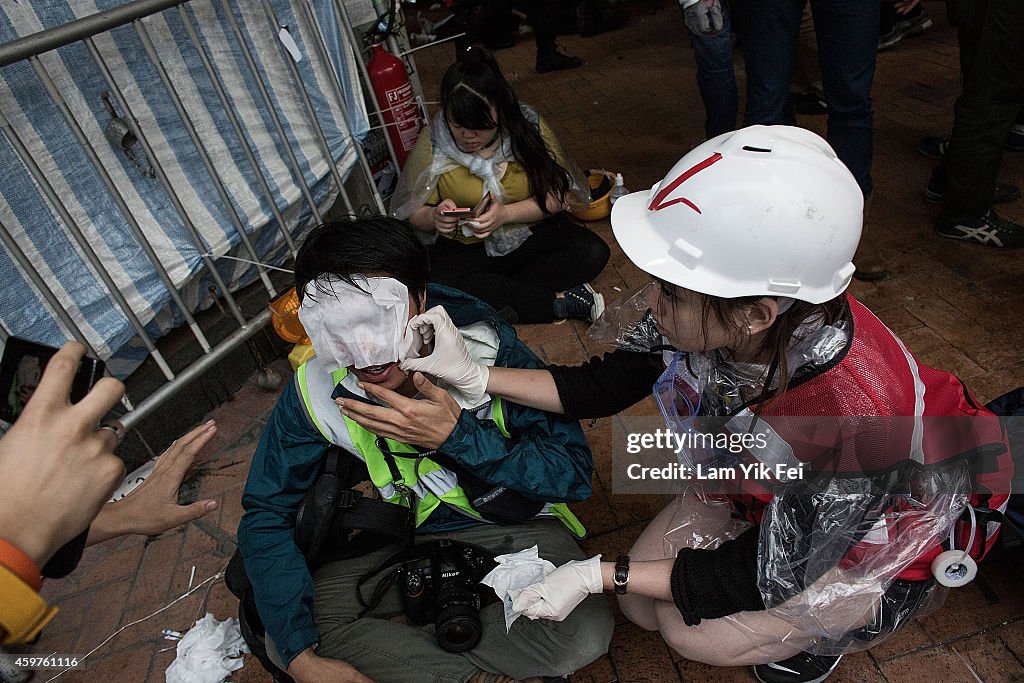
(114, 667)
(115, 565)
(968, 610)
(640, 655)
(927, 666)
(150, 589)
(908, 639)
(989, 658)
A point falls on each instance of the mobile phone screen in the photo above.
(22, 367)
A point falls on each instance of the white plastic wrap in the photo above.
(628, 323)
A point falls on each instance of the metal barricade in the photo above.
(86, 31)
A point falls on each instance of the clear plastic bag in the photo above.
(628, 323)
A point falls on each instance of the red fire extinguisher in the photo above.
(395, 97)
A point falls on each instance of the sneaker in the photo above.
(581, 302)
(1015, 138)
(904, 29)
(801, 668)
(991, 230)
(933, 147)
(1001, 194)
(557, 61)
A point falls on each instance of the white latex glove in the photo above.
(703, 17)
(449, 361)
(558, 594)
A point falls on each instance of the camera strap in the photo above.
(396, 560)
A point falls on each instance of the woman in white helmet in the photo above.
(826, 543)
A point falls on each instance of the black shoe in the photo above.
(581, 302)
(1001, 194)
(991, 230)
(808, 104)
(904, 29)
(933, 147)
(556, 61)
(801, 668)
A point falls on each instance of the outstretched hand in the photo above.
(425, 422)
(153, 507)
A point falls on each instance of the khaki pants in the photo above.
(389, 651)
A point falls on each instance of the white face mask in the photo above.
(356, 326)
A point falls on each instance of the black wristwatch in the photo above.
(621, 576)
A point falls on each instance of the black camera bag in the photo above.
(336, 522)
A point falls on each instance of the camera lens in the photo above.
(458, 626)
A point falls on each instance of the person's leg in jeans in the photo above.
(767, 30)
(847, 48)
(992, 59)
(716, 79)
(540, 17)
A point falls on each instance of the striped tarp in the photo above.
(42, 235)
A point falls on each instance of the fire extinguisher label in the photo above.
(404, 113)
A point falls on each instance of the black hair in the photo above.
(372, 246)
(476, 74)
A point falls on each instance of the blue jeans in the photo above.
(847, 44)
(716, 79)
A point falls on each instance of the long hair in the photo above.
(474, 84)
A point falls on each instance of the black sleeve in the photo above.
(605, 386)
(709, 584)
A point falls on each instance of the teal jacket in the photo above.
(547, 457)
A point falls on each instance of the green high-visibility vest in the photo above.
(405, 472)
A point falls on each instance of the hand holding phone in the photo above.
(476, 211)
(58, 469)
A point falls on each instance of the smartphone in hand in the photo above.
(20, 371)
(478, 210)
(22, 367)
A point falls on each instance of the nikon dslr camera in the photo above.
(441, 584)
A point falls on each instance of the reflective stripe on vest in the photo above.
(431, 483)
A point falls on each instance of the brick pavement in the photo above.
(634, 107)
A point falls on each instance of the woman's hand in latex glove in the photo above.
(445, 225)
(450, 360)
(561, 591)
(489, 221)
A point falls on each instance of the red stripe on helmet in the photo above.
(659, 202)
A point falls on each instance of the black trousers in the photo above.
(558, 255)
(992, 64)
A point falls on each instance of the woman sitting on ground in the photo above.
(523, 255)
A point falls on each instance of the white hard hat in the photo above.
(762, 211)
